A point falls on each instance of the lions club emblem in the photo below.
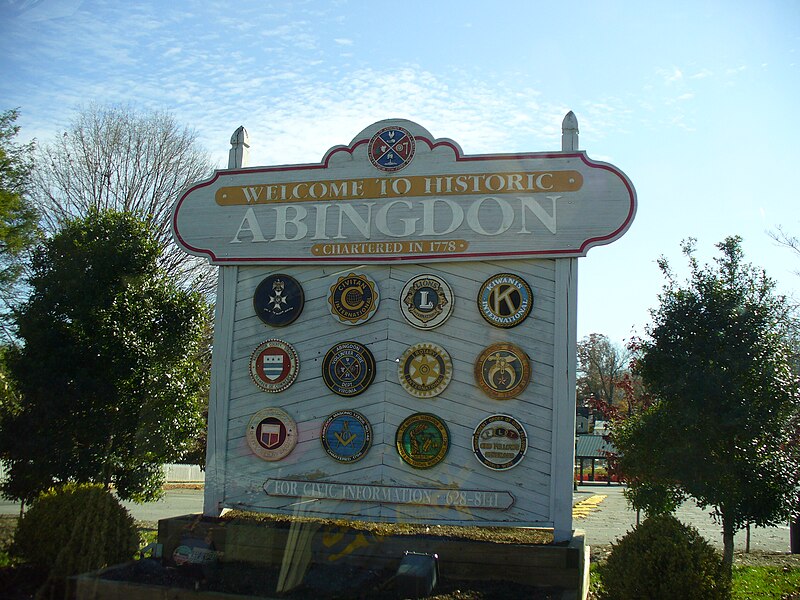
(502, 371)
(391, 149)
(278, 300)
(426, 301)
(353, 299)
(505, 300)
(271, 434)
(499, 442)
(425, 370)
(274, 365)
(348, 368)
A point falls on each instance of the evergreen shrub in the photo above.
(663, 559)
(76, 528)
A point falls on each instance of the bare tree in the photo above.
(128, 160)
(601, 367)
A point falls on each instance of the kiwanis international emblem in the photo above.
(348, 368)
(505, 300)
(391, 149)
(422, 440)
(353, 299)
(278, 300)
(502, 371)
(499, 442)
(271, 434)
(425, 370)
(274, 365)
(346, 436)
(426, 301)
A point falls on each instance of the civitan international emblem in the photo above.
(353, 299)
(425, 370)
(391, 149)
(348, 368)
(505, 300)
(278, 300)
(346, 436)
(274, 365)
(426, 301)
(271, 434)
(499, 442)
(422, 440)
(502, 371)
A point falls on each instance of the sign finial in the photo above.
(569, 132)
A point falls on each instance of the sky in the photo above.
(695, 101)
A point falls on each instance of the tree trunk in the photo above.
(727, 546)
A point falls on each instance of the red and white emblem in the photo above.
(274, 365)
(271, 434)
(391, 149)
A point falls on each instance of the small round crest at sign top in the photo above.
(278, 300)
(274, 365)
(391, 149)
(499, 442)
(346, 436)
(425, 370)
(348, 368)
(505, 300)
(353, 299)
(422, 440)
(271, 434)
(426, 301)
(502, 371)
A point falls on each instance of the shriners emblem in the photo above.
(426, 301)
(505, 300)
(278, 300)
(348, 369)
(391, 149)
(422, 440)
(346, 436)
(274, 365)
(425, 370)
(502, 371)
(499, 442)
(353, 299)
(271, 434)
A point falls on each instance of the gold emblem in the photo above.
(502, 371)
(425, 370)
(426, 301)
(505, 300)
(422, 440)
(353, 299)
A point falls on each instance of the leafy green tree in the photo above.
(112, 370)
(723, 427)
(18, 219)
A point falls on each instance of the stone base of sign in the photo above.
(296, 548)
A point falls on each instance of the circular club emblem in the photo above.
(278, 300)
(425, 370)
(426, 301)
(422, 440)
(505, 300)
(346, 436)
(348, 368)
(391, 149)
(271, 434)
(353, 299)
(499, 442)
(502, 371)
(274, 365)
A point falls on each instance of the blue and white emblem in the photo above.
(391, 149)
(346, 436)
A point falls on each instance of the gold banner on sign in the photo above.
(386, 248)
(537, 182)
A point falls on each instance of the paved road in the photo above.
(610, 520)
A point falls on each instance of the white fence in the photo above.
(172, 473)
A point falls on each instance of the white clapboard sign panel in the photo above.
(355, 229)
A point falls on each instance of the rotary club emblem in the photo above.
(348, 368)
(426, 301)
(505, 300)
(502, 371)
(278, 300)
(425, 370)
(391, 149)
(274, 365)
(271, 434)
(499, 442)
(346, 436)
(353, 299)
(422, 440)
